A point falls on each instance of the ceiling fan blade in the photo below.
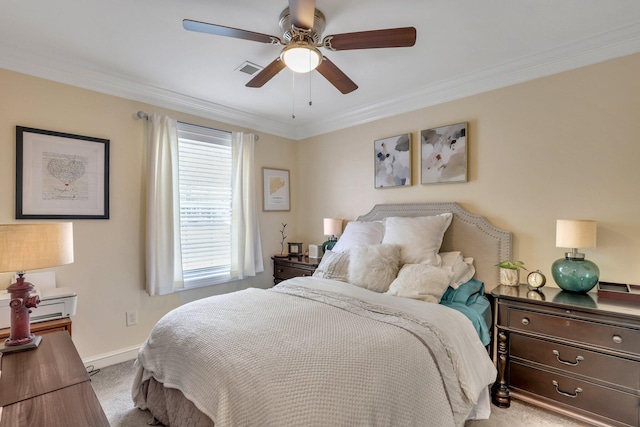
(219, 30)
(302, 13)
(392, 37)
(336, 77)
(266, 74)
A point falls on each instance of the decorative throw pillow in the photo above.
(462, 268)
(374, 267)
(333, 266)
(419, 238)
(421, 281)
(360, 233)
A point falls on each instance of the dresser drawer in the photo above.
(613, 337)
(614, 370)
(600, 401)
(285, 272)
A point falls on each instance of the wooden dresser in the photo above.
(570, 353)
(284, 268)
(48, 386)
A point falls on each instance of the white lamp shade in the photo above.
(34, 246)
(301, 58)
(332, 226)
(576, 233)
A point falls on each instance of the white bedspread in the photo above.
(318, 352)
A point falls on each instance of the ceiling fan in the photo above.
(302, 25)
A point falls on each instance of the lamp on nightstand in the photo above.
(30, 247)
(573, 272)
(332, 228)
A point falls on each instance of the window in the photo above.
(204, 165)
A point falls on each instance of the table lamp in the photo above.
(573, 272)
(30, 247)
(332, 228)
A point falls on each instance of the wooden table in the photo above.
(48, 386)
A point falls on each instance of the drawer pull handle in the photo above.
(617, 339)
(525, 321)
(573, 396)
(578, 359)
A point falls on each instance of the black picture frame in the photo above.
(61, 175)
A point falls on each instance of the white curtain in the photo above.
(163, 252)
(246, 247)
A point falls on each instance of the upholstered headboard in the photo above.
(471, 234)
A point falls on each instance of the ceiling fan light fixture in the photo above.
(301, 57)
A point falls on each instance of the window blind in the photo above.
(204, 174)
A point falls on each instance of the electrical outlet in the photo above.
(132, 318)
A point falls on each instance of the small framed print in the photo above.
(392, 158)
(61, 176)
(276, 190)
(295, 250)
(443, 154)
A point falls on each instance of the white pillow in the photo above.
(421, 281)
(333, 266)
(462, 268)
(360, 233)
(374, 267)
(420, 238)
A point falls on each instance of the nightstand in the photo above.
(284, 268)
(570, 353)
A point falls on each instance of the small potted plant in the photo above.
(510, 272)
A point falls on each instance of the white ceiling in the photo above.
(138, 49)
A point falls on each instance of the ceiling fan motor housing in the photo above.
(292, 33)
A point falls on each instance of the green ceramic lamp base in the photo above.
(575, 274)
(328, 245)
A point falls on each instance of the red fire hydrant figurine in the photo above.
(21, 302)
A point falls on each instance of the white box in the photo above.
(315, 251)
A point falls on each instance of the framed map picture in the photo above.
(276, 190)
(61, 176)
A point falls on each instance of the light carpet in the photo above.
(113, 388)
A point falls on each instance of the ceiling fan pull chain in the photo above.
(310, 79)
(293, 95)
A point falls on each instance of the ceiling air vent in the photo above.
(249, 68)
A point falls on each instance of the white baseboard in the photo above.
(113, 357)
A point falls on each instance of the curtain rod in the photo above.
(142, 115)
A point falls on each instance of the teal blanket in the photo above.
(469, 299)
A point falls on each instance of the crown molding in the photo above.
(79, 75)
(616, 43)
(613, 44)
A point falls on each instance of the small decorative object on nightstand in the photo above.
(573, 272)
(510, 272)
(295, 250)
(332, 228)
(315, 251)
(536, 279)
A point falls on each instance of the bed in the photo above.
(359, 343)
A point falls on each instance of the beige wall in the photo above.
(108, 272)
(565, 146)
(559, 147)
